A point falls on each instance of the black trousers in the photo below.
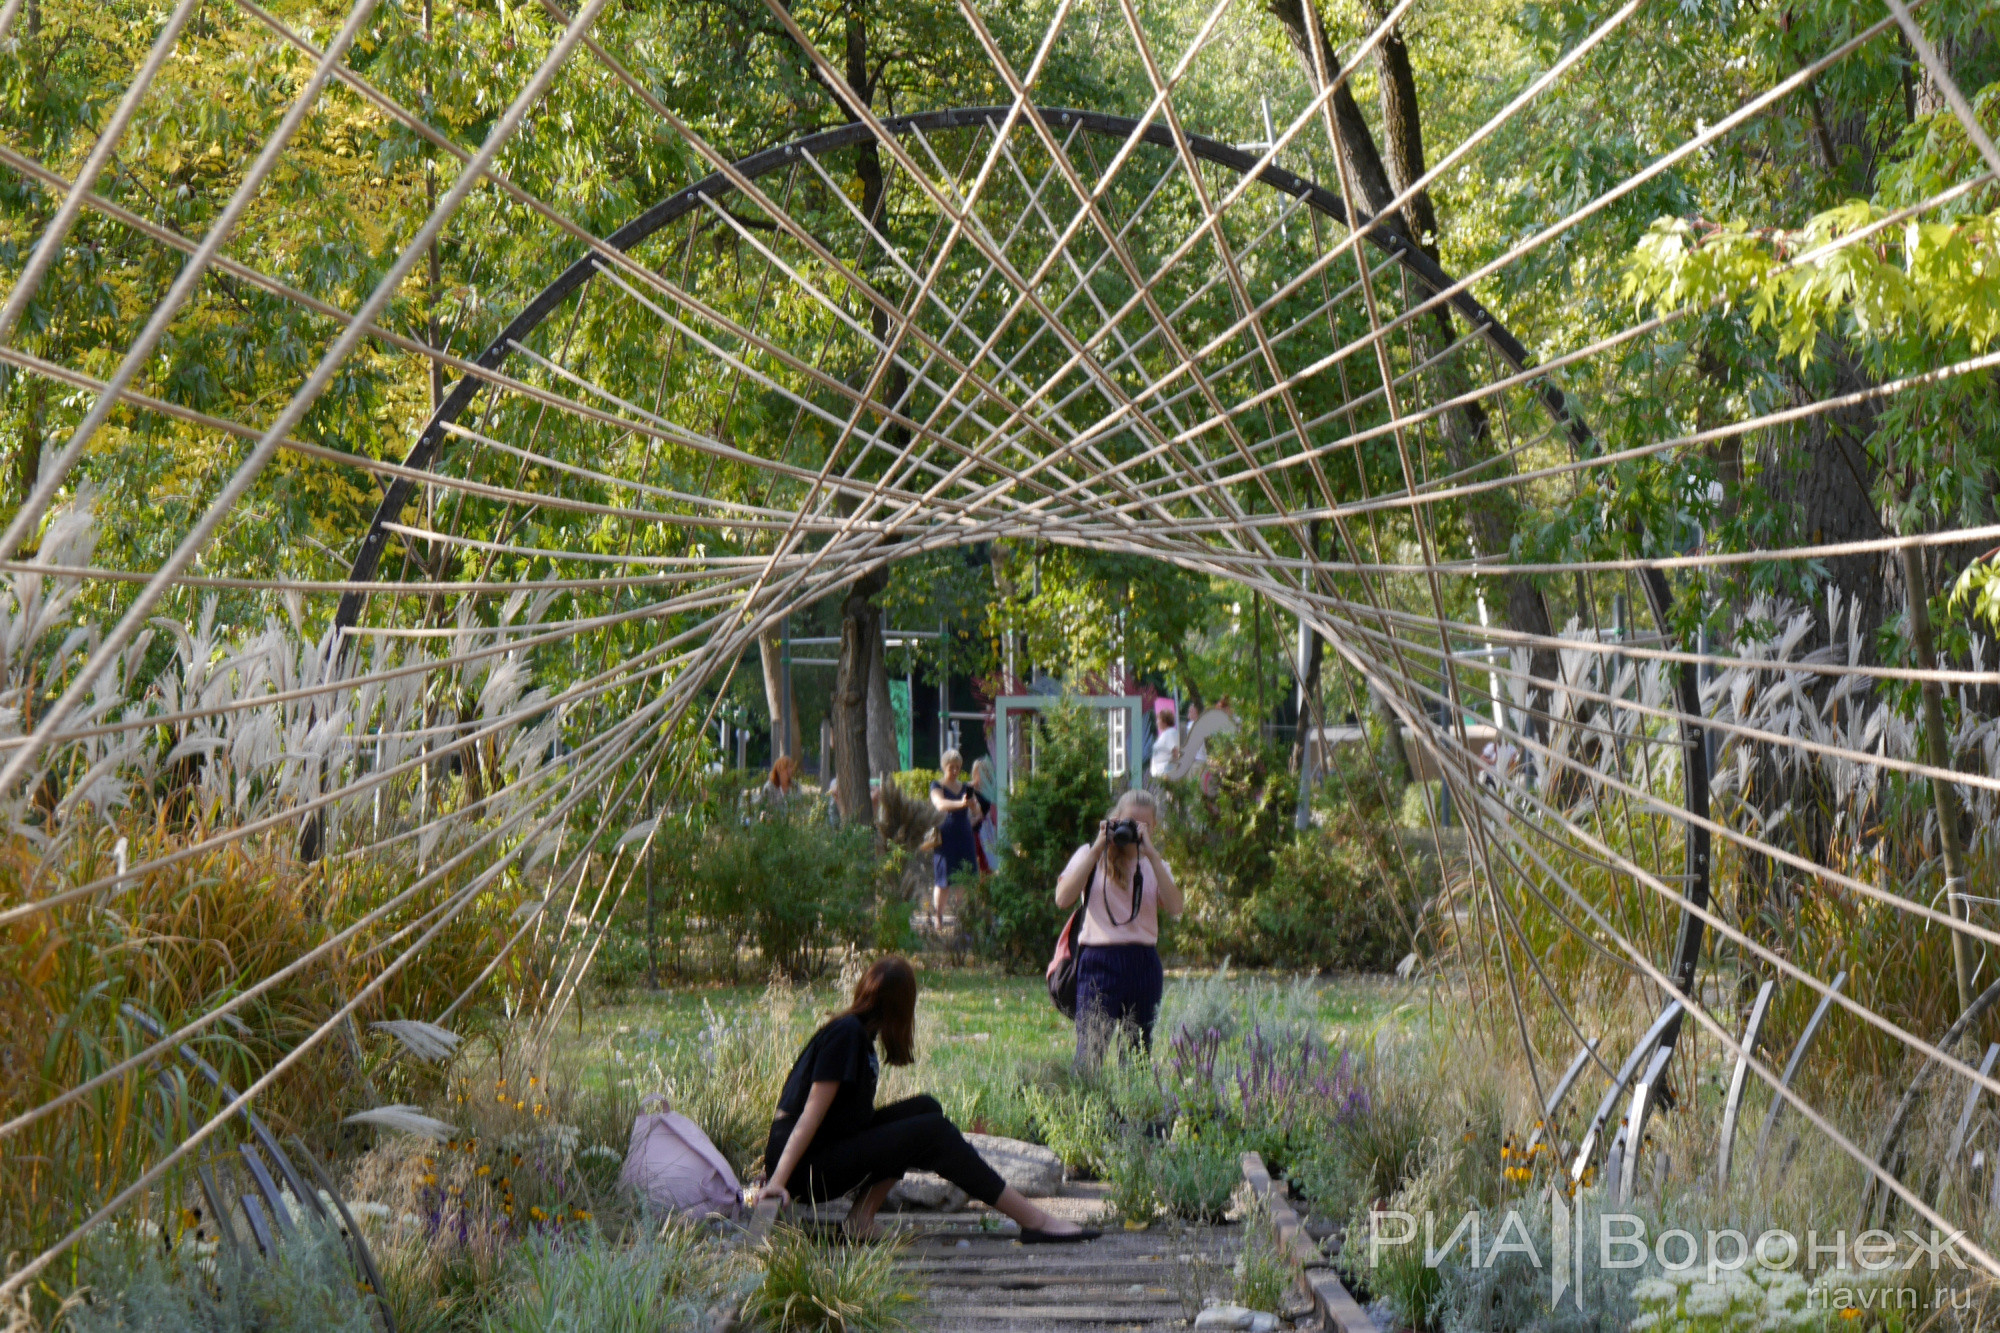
(911, 1135)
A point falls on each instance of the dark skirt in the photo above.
(1116, 984)
(946, 864)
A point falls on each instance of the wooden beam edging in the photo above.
(1339, 1312)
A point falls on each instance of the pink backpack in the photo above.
(672, 1165)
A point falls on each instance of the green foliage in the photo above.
(1762, 1298)
(1133, 1198)
(1263, 1274)
(1077, 1126)
(726, 1076)
(1331, 904)
(814, 1286)
(138, 1285)
(1227, 827)
(1050, 813)
(1976, 595)
(1194, 1173)
(915, 783)
(1369, 1155)
(1262, 893)
(788, 883)
(1091, 609)
(555, 1283)
(1507, 1292)
(178, 941)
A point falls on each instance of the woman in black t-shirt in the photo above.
(829, 1133)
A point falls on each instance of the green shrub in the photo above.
(788, 883)
(1262, 893)
(1193, 1176)
(1262, 1273)
(1076, 1125)
(1507, 1292)
(915, 783)
(1329, 905)
(812, 1287)
(1369, 1155)
(134, 1285)
(1128, 1166)
(1228, 822)
(553, 1282)
(1012, 912)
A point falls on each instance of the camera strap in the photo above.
(1138, 888)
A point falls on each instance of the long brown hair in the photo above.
(885, 999)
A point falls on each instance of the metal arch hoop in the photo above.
(430, 443)
(1385, 238)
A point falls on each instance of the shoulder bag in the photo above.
(1061, 974)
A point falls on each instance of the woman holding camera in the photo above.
(1125, 887)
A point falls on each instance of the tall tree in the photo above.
(860, 647)
(1491, 516)
(871, 732)
(777, 696)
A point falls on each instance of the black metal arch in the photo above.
(1384, 236)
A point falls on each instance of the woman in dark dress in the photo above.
(829, 1137)
(958, 844)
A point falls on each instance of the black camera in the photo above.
(1124, 832)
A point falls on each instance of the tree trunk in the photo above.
(883, 754)
(1357, 142)
(770, 649)
(1944, 796)
(1403, 131)
(865, 735)
(1820, 470)
(1467, 430)
(858, 647)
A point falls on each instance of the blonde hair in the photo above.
(950, 759)
(982, 771)
(1136, 799)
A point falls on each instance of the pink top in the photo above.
(1104, 920)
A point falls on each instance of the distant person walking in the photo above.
(987, 829)
(1125, 886)
(958, 845)
(1166, 743)
(783, 784)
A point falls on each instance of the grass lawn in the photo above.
(981, 1034)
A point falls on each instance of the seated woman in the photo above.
(829, 1137)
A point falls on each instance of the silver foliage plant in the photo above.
(1773, 790)
(247, 760)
